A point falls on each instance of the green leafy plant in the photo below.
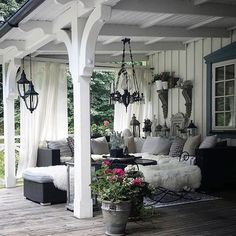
(116, 185)
(147, 125)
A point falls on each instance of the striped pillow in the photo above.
(176, 148)
(62, 145)
(71, 144)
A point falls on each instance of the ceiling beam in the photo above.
(110, 58)
(138, 46)
(111, 40)
(177, 7)
(155, 21)
(199, 2)
(160, 31)
(205, 22)
(154, 40)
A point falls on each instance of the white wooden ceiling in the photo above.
(152, 25)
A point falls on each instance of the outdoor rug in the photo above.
(165, 198)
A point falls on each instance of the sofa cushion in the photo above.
(138, 142)
(62, 145)
(99, 146)
(129, 142)
(176, 148)
(209, 142)
(191, 144)
(156, 145)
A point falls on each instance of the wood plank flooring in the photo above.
(19, 216)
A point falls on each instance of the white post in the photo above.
(9, 123)
(81, 50)
(81, 91)
(82, 170)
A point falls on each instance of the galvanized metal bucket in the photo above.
(115, 217)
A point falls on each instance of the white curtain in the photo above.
(141, 110)
(49, 120)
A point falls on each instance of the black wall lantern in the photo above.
(129, 82)
(22, 83)
(30, 96)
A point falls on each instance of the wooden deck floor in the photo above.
(22, 217)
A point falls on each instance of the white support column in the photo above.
(83, 40)
(9, 94)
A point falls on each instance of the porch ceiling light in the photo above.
(30, 96)
(22, 83)
(128, 82)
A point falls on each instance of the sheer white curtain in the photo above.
(49, 120)
(142, 111)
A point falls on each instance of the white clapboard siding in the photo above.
(188, 64)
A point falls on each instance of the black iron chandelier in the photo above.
(129, 82)
(30, 96)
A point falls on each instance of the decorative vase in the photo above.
(165, 85)
(159, 85)
(115, 215)
(118, 152)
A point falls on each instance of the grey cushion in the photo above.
(176, 148)
(99, 146)
(209, 142)
(138, 142)
(62, 145)
(36, 177)
(156, 145)
(129, 142)
(191, 144)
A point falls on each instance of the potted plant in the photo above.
(147, 127)
(116, 189)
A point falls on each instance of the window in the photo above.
(223, 95)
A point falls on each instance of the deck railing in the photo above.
(17, 143)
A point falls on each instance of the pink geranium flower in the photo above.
(106, 163)
(109, 171)
(137, 182)
(118, 171)
(106, 123)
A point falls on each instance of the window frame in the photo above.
(213, 97)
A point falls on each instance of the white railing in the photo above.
(17, 144)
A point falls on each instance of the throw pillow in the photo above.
(209, 142)
(156, 145)
(71, 143)
(129, 142)
(62, 145)
(176, 148)
(126, 133)
(222, 143)
(138, 142)
(99, 146)
(191, 144)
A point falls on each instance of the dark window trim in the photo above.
(224, 54)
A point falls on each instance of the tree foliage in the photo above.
(8, 7)
(101, 109)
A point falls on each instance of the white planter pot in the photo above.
(159, 84)
(165, 85)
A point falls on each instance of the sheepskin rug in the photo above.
(55, 174)
(171, 174)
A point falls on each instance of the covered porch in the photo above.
(202, 218)
(167, 36)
